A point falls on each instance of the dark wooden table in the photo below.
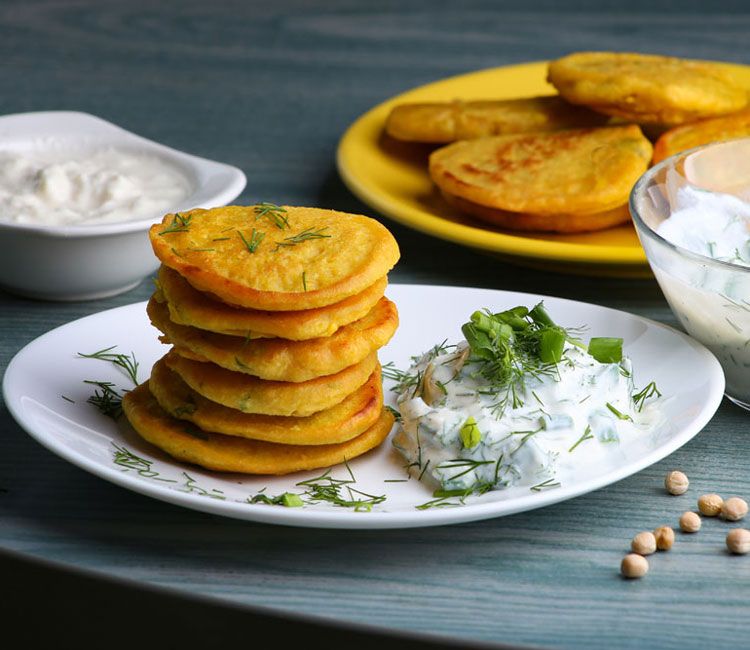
(269, 87)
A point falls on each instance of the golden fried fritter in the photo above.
(215, 451)
(562, 223)
(275, 258)
(443, 122)
(187, 306)
(341, 422)
(718, 129)
(583, 171)
(646, 88)
(278, 359)
(252, 395)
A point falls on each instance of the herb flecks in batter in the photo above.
(274, 213)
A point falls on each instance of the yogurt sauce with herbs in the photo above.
(712, 303)
(471, 433)
(64, 186)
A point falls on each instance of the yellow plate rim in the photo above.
(475, 237)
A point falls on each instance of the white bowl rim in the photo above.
(642, 226)
(235, 177)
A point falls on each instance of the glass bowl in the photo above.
(709, 297)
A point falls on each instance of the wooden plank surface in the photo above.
(270, 87)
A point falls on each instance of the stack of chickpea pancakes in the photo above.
(275, 315)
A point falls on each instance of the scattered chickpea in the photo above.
(690, 522)
(664, 538)
(634, 566)
(676, 483)
(734, 509)
(644, 543)
(710, 504)
(738, 541)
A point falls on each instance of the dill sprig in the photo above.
(586, 436)
(130, 461)
(191, 485)
(256, 237)
(274, 213)
(618, 414)
(649, 391)
(458, 463)
(443, 498)
(329, 489)
(545, 485)
(305, 235)
(402, 378)
(105, 398)
(127, 362)
(179, 224)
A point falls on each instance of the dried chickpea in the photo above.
(634, 566)
(734, 509)
(676, 483)
(644, 543)
(710, 504)
(690, 522)
(738, 541)
(664, 538)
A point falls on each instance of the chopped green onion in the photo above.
(551, 344)
(471, 436)
(605, 349)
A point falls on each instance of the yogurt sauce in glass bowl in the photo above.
(693, 218)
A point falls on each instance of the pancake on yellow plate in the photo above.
(187, 306)
(275, 258)
(215, 451)
(252, 395)
(341, 422)
(278, 359)
(718, 129)
(562, 223)
(443, 122)
(646, 88)
(585, 171)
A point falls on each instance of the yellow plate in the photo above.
(392, 178)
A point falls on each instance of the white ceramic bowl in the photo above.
(710, 298)
(84, 262)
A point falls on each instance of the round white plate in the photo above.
(47, 369)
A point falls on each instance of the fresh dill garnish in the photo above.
(304, 280)
(586, 436)
(458, 463)
(179, 224)
(191, 485)
(221, 239)
(67, 399)
(326, 488)
(105, 398)
(130, 461)
(127, 362)
(424, 469)
(176, 252)
(403, 379)
(619, 414)
(443, 497)
(305, 235)
(545, 485)
(255, 239)
(395, 480)
(649, 391)
(274, 213)
(510, 346)
(201, 250)
(287, 499)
